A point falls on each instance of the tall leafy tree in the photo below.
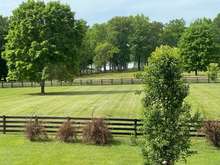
(166, 132)
(3, 32)
(43, 40)
(139, 39)
(119, 29)
(104, 52)
(173, 31)
(143, 39)
(216, 29)
(197, 45)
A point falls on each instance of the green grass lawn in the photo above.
(205, 98)
(16, 150)
(105, 101)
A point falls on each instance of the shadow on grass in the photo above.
(82, 93)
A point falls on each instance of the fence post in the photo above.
(2, 84)
(121, 81)
(22, 83)
(101, 82)
(80, 82)
(36, 119)
(11, 84)
(132, 81)
(4, 124)
(31, 83)
(51, 82)
(111, 81)
(91, 82)
(135, 127)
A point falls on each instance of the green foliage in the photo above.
(197, 45)
(142, 40)
(104, 52)
(166, 134)
(173, 31)
(119, 31)
(43, 35)
(213, 70)
(3, 32)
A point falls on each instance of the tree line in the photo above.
(45, 41)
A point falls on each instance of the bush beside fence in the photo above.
(117, 126)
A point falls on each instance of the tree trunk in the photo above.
(42, 86)
(104, 67)
(196, 72)
(139, 64)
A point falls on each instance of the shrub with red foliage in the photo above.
(67, 133)
(97, 132)
(35, 131)
(212, 131)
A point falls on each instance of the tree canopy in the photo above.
(43, 40)
(3, 33)
(197, 45)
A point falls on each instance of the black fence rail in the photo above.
(117, 126)
(77, 82)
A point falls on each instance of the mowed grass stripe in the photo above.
(106, 101)
(103, 101)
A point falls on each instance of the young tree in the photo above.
(166, 133)
(213, 70)
(3, 33)
(103, 54)
(197, 45)
(172, 32)
(43, 40)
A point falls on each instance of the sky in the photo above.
(98, 11)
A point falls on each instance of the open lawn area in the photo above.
(16, 150)
(104, 101)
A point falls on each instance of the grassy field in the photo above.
(104, 101)
(119, 153)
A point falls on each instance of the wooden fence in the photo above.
(117, 126)
(77, 82)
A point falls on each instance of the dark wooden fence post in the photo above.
(36, 119)
(11, 84)
(51, 82)
(111, 81)
(2, 84)
(4, 124)
(80, 82)
(31, 83)
(101, 82)
(135, 127)
(121, 81)
(22, 83)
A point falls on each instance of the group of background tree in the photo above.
(44, 41)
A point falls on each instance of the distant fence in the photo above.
(77, 82)
(117, 126)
